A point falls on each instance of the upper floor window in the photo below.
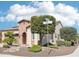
(15, 35)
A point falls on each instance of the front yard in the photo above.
(23, 51)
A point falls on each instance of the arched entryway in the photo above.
(24, 38)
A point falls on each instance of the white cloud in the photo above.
(23, 17)
(10, 17)
(45, 6)
(65, 13)
(22, 9)
(66, 9)
(68, 14)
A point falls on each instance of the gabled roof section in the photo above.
(59, 22)
(24, 20)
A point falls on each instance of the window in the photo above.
(15, 35)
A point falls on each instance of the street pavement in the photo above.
(74, 54)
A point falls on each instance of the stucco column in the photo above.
(29, 37)
(3, 36)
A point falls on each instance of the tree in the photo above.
(68, 33)
(77, 38)
(37, 25)
(10, 39)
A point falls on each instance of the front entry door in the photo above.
(24, 38)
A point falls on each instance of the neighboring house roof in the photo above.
(10, 29)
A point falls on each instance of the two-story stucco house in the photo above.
(25, 37)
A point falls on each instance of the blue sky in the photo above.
(13, 11)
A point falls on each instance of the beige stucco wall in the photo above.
(56, 34)
(3, 35)
(23, 27)
(29, 37)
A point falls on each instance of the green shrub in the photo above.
(59, 42)
(6, 46)
(67, 43)
(68, 33)
(36, 48)
(53, 46)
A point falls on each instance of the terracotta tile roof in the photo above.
(23, 21)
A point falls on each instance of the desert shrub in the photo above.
(10, 38)
(9, 41)
(36, 48)
(6, 46)
(59, 42)
(67, 43)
